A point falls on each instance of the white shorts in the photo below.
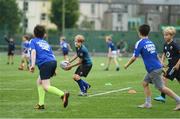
(113, 54)
(27, 55)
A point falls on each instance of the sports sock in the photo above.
(177, 98)
(41, 94)
(81, 85)
(85, 83)
(55, 90)
(163, 95)
(148, 100)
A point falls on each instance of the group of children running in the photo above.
(41, 54)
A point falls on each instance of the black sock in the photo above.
(163, 95)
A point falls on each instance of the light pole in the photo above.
(63, 17)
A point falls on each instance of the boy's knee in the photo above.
(45, 87)
(144, 84)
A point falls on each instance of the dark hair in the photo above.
(144, 30)
(39, 31)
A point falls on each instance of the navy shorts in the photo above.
(65, 52)
(10, 52)
(175, 74)
(47, 70)
(83, 70)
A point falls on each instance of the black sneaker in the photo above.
(87, 88)
(82, 94)
(106, 69)
(117, 69)
(65, 99)
(39, 107)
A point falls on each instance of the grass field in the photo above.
(18, 93)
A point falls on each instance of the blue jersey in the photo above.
(43, 51)
(25, 47)
(64, 46)
(83, 54)
(147, 50)
(111, 46)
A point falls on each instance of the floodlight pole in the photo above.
(63, 17)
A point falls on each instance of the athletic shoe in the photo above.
(106, 69)
(82, 94)
(20, 68)
(117, 69)
(145, 105)
(39, 107)
(177, 107)
(87, 88)
(160, 98)
(65, 99)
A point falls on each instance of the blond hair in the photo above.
(108, 38)
(170, 30)
(79, 38)
(62, 38)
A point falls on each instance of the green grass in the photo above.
(18, 93)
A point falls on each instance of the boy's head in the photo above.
(39, 31)
(26, 38)
(62, 38)
(79, 39)
(169, 33)
(144, 30)
(108, 38)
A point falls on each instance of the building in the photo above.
(35, 12)
(116, 15)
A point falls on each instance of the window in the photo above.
(119, 17)
(25, 23)
(93, 8)
(25, 6)
(43, 16)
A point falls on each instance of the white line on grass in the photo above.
(14, 89)
(113, 91)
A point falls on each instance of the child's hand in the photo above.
(31, 69)
(68, 67)
(176, 67)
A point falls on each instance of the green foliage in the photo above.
(71, 13)
(9, 16)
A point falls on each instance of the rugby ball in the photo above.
(64, 64)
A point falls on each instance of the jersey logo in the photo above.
(81, 54)
(171, 47)
(165, 48)
(168, 54)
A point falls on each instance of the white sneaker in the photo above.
(145, 105)
(177, 108)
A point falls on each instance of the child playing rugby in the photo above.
(43, 57)
(65, 47)
(146, 48)
(171, 51)
(25, 53)
(112, 53)
(84, 65)
(11, 49)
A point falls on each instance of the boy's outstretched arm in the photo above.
(74, 58)
(71, 66)
(33, 60)
(131, 60)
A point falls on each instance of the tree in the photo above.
(9, 16)
(71, 13)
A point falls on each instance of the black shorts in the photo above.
(83, 70)
(174, 75)
(65, 53)
(47, 70)
(10, 52)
